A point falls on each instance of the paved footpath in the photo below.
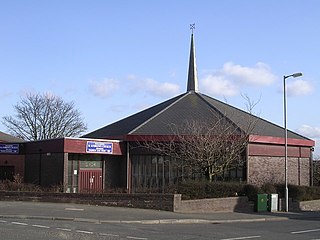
(101, 214)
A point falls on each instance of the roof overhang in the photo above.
(281, 141)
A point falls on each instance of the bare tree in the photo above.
(44, 116)
(207, 148)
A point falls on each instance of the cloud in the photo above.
(104, 88)
(218, 85)
(311, 132)
(150, 86)
(227, 80)
(118, 108)
(299, 87)
(5, 94)
(259, 75)
(131, 77)
(160, 89)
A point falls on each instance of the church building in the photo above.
(108, 158)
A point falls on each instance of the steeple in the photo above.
(192, 74)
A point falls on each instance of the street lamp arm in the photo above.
(299, 74)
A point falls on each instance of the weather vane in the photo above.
(192, 27)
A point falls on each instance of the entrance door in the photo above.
(90, 180)
(6, 172)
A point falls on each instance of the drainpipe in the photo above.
(311, 166)
(247, 163)
(128, 167)
(40, 167)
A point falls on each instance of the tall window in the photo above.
(153, 173)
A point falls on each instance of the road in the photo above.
(32, 229)
(44, 221)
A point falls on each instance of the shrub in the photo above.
(192, 189)
(297, 192)
(268, 188)
(204, 189)
(251, 191)
(223, 189)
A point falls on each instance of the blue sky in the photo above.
(115, 58)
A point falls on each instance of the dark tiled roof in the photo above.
(126, 125)
(8, 138)
(165, 117)
(241, 118)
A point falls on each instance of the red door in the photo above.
(90, 180)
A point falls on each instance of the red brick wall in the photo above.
(263, 169)
(266, 164)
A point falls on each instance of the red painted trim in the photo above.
(159, 138)
(79, 146)
(281, 141)
(252, 139)
(259, 149)
(134, 138)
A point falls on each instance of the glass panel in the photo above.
(70, 174)
(90, 164)
(233, 173)
(240, 172)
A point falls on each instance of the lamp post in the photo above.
(294, 75)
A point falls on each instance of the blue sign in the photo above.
(99, 147)
(9, 148)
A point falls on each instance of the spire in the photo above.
(192, 74)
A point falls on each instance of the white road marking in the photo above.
(74, 209)
(20, 223)
(86, 232)
(109, 234)
(137, 238)
(239, 238)
(40, 226)
(64, 229)
(306, 231)
(3, 221)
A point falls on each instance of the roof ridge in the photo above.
(157, 114)
(218, 110)
(257, 118)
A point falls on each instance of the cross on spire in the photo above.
(192, 27)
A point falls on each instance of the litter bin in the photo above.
(273, 202)
(262, 203)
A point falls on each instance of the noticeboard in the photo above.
(99, 147)
(9, 148)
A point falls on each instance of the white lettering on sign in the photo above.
(99, 147)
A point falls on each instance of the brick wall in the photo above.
(262, 169)
(231, 204)
(146, 201)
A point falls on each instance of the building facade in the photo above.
(108, 159)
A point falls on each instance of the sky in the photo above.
(116, 58)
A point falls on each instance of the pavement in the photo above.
(102, 214)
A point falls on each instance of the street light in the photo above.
(294, 75)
